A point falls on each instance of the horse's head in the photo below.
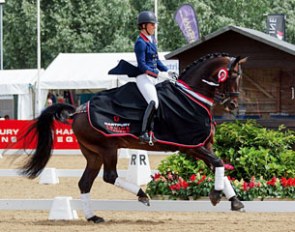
(215, 77)
(228, 90)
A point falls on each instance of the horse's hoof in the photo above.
(95, 219)
(215, 197)
(236, 205)
(144, 200)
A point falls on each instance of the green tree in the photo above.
(110, 25)
(86, 26)
(19, 35)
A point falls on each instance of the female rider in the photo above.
(152, 68)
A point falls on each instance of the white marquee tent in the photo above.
(84, 70)
(79, 71)
(87, 71)
(67, 71)
(19, 82)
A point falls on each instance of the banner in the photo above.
(275, 24)
(11, 132)
(186, 19)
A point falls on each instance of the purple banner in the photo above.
(276, 25)
(186, 19)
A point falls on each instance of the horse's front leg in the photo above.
(110, 176)
(221, 183)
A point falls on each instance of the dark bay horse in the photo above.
(183, 123)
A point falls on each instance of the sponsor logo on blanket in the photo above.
(117, 127)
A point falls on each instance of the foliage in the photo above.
(110, 25)
(181, 164)
(256, 151)
(260, 163)
(19, 35)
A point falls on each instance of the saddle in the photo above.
(179, 120)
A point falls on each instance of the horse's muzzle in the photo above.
(231, 105)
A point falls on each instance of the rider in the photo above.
(152, 68)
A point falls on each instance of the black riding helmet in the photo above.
(146, 17)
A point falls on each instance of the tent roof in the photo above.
(83, 70)
(17, 81)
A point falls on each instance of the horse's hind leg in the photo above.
(91, 171)
(110, 176)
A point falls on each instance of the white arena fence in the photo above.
(63, 172)
(64, 207)
(156, 205)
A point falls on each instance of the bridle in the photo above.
(227, 94)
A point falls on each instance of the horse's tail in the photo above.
(42, 129)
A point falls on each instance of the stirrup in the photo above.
(147, 138)
(144, 138)
(152, 139)
(151, 142)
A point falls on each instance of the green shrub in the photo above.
(255, 151)
(262, 161)
(182, 165)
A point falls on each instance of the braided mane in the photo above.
(201, 60)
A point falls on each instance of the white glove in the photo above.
(173, 75)
(163, 75)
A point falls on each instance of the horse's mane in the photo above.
(201, 60)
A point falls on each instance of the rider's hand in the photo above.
(173, 75)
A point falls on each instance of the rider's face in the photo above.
(151, 27)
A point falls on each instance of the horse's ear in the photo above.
(243, 60)
(222, 75)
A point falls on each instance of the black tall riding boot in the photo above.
(147, 124)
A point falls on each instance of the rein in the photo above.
(186, 88)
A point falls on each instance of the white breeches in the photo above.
(146, 85)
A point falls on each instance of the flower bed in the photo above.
(174, 187)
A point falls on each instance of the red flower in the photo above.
(284, 182)
(251, 184)
(181, 184)
(193, 177)
(175, 187)
(287, 182)
(170, 176)
(184, 184)
(228, 167)
(245, 186)
(202, 179)
(272, 182)
(156, 176)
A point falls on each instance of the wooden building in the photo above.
(268, 85)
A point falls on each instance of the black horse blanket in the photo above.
(180, 119)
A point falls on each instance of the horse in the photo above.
(185, 102)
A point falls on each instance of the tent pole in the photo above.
(38, 94)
